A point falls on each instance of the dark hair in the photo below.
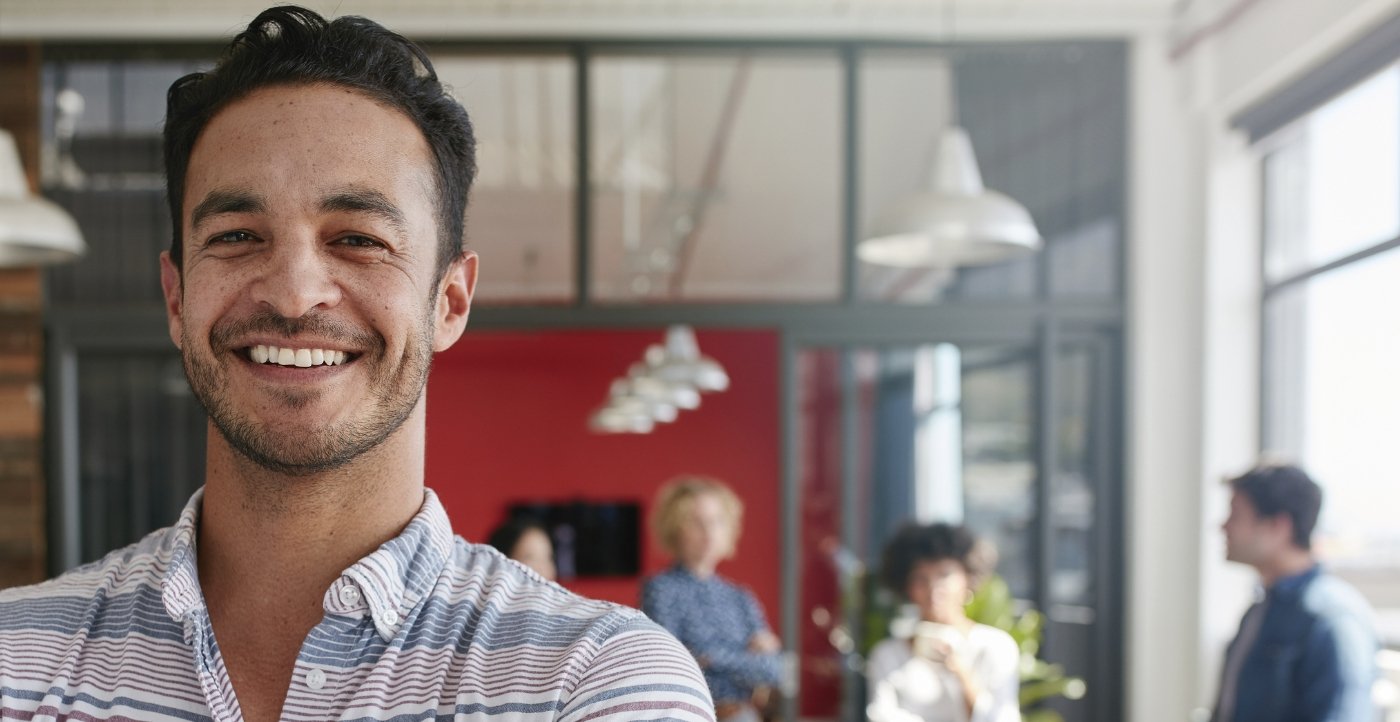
(290, 45)
(1278, 489)
(915, 543)
(505, 536)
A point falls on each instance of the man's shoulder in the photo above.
(508, 594)
(605, 657)
(122, 570)
(1329, 597)
(106, 599)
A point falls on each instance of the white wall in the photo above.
(1194, 351)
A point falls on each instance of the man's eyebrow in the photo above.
(366, 200)
(222, 201)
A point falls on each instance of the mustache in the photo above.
(224, 333)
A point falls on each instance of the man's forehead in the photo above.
(319, 145)
(326, 121)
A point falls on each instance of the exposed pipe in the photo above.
(710, 178)
(1215, 27)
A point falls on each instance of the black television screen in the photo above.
(591, 538)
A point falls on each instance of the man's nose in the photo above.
(296, 279)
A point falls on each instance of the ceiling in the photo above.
(193, 19)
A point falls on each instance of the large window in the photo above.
(1332, 334)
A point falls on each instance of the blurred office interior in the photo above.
(1214, 187)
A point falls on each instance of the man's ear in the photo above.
(1281, 526)
(170, 284)
(454, 301)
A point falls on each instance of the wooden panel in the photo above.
(22, 516)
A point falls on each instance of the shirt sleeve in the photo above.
(883, 705)
(751, 668)
(1000, 698)
(1338, 671)
(639, 673)
(758, 622)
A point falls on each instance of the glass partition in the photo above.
(716, 177)
(520, 220)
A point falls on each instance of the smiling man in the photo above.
(317, 179)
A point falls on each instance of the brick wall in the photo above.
(22, 534)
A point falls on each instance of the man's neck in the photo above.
(1288, 563)
(271, 544)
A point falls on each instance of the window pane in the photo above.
(111, 177)
(1334, 401)
(141, 447)
(1048, 127)
(716, 177)
(998, 465)
(521, 217)
(1072, 498)
(1333, 188)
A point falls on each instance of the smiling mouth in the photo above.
(297, 357)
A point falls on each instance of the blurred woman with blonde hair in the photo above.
(697, 521)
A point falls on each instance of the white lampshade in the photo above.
(625, 394)
(615, 420)
(33, 231)
(680, 395)
(955, 222)
(680, 362)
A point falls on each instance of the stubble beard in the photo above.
(394, 391)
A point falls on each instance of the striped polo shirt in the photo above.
(428, 627)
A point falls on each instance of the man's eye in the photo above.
(233, 237)
(359, 242)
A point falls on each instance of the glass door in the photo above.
(958, 433)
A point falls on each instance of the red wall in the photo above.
(507, 422)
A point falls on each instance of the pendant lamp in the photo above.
(955, 221)
(33, 231)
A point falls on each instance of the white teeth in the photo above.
(301, 357)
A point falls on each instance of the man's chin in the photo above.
(298, 462)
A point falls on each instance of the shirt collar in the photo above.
(397, 575)
(179, 585)
(388, 583)
(1293, 586)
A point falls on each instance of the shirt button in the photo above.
(315, 679)
(349, 595)
(389, 617)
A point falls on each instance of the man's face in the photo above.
(1251, 538)
(309, 226)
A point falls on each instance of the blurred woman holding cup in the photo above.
(951, 669)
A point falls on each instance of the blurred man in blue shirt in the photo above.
(1305, 652)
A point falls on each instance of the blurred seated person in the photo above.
(952, 669)
(526, 540)
(697, 522)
